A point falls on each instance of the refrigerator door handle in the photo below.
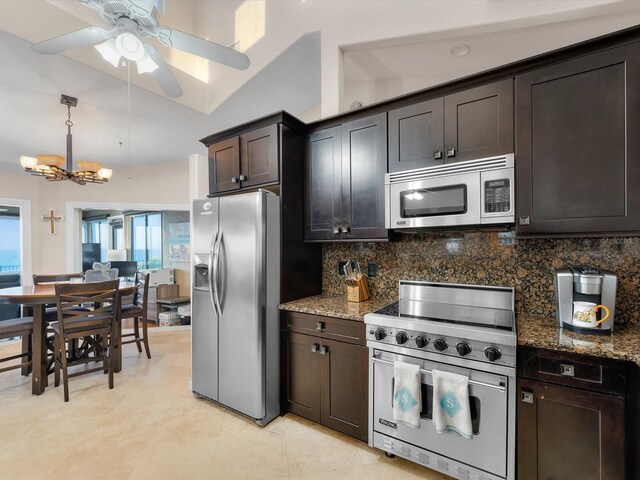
(216, 268)
(212, 272)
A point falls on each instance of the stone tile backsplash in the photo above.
(490, 258)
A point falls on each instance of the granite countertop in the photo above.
(543, 332)
(334, 306)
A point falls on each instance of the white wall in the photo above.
(158, 184)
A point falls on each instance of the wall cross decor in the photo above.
(52, 219)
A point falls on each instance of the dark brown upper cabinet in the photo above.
(473, 123)
(245, 161)
(323, 192)
(578, 152)
(416, 136)
(478, 122)
(344, 194)
(224, 165)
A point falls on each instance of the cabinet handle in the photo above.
(526, 397)
(524, 220)
(314, 348)
(437, 155)
(451, 152)
(337, 230)
(323, 350)
(320, 326)
(243, 177)
(234, 179)
(346, 229)
(567, 370)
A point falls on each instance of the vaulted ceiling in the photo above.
(301, 53)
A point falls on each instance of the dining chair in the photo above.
(18, 327)
(137, 310)
(97, 326)
(51, 311)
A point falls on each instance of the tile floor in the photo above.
(150, 426)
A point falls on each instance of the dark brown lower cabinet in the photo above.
(327, 380)
(571, 416)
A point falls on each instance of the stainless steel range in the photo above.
(464, 329)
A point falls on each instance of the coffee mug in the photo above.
(584, 314)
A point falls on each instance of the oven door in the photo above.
(487, 450)
(436, 202)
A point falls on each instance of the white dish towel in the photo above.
(451, 411)
(407, 398)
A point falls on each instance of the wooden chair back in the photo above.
(60, 277)
(104, 295)
(141, 295)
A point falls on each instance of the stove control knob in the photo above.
(401, 338)
(421, 341)
(492, 354)
(380, 334)
(440, 344)
(463, 349)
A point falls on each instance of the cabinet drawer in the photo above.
(574, 370)
(350, 331)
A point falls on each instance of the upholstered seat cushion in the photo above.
(130, 310)
(80, 324)
(16, 327)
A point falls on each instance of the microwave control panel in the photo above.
(497, 195)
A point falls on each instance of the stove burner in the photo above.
(396, 310)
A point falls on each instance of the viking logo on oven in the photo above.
(387, 423)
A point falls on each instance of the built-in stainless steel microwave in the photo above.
(475, 192)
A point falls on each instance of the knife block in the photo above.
(359, 293)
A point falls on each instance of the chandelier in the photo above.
(50, 166)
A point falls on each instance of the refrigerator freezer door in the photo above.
(242, 301)
(204, 322)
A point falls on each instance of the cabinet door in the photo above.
(259, 159)
(416, 136)
(344, 388)
(303, 376)
(569, 434)
(364, 164)
(224, 165)
(323, 193)
(578, 152)
(478, 122)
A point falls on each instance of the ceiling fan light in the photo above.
(109, 52)
(130, 46)
(146, 65)
(28, 163)
(86, 166)
(105, 173)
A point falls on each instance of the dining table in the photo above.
(38, 297)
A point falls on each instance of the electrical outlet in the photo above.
(341, 267)
(372, 269)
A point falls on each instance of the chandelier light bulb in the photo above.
(105, 173)
(28, 162)
(130, 46)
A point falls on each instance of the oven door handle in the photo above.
(501, 387)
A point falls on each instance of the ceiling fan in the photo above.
(135, 22)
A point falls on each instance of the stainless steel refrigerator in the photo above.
(235, 295)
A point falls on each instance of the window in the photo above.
(9, 241)
(146, 240)
(95, 231)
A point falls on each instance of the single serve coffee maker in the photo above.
(585, 299)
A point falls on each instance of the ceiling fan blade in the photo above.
(69, 41)
(204, 48)
(163, 74)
